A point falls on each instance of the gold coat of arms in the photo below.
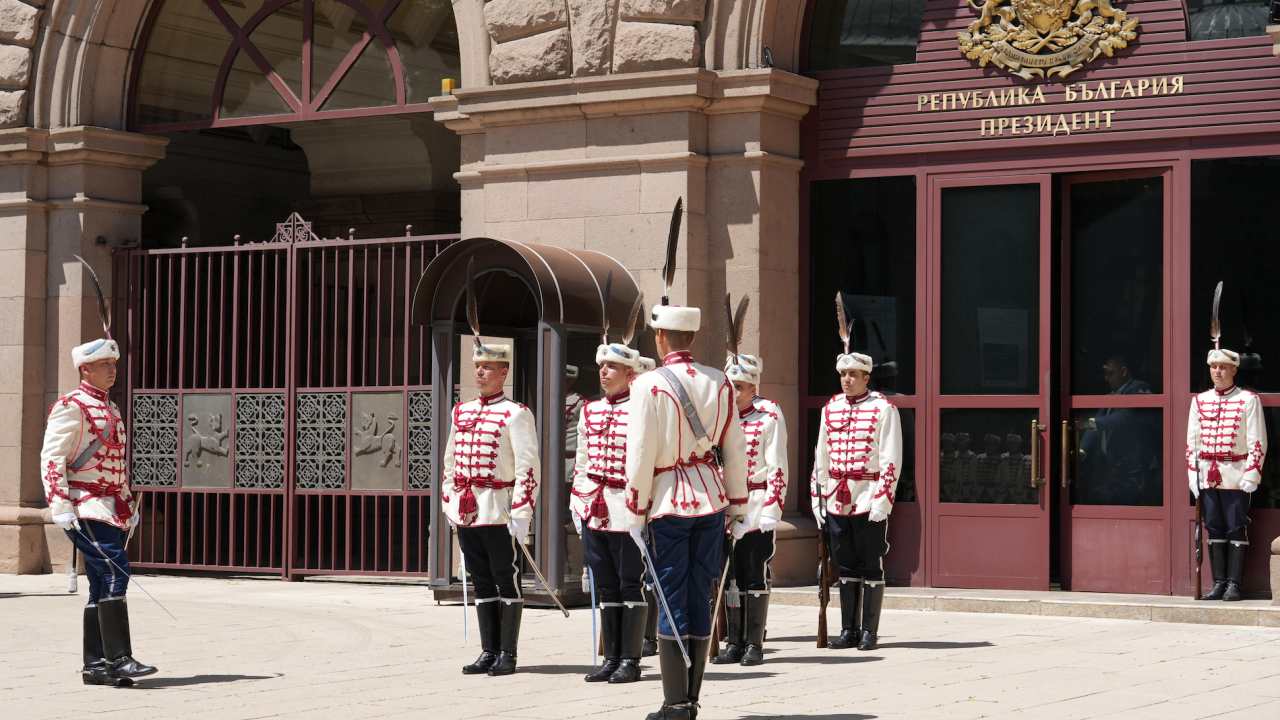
(1043, 38)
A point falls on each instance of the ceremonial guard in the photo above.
(573, 402)
(855, 476)
(747, 598)
(489, 485)
(650, 646)
(599, 512)
(85, 483)
(1226, 446)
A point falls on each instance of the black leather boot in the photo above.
(633, 625)
(872, 601)
(850, 616)
(117, 647)
(650, 647)
(1218, 565)
(611, 630)
(509, 623)
(490, 637)
(734, 640)
(757, 612)
(699, 650)
(1235, 572)
(96, 671)
(675, 683)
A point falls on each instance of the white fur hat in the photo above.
(674, 317)
(491, 353)
(95, 351)
(853, 361)
(571, 371)
(618, 353)
(645, 365)
(747, 369)
(1223, 355)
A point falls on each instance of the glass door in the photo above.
(1113, 428)
(989, 381)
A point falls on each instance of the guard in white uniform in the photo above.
(747, 596)
(855, 472)
(489, 486)
(83, 470)
(1226, 446)
(573, 402)
(650, 646)
(684, 471)
(599, 511)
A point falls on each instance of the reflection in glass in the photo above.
(985, 457)
(249, 93)
(1222, 19)
(990, 290)
(864, 33)
(1234, 237)
(862, 242)
(279, 38)
(907, 476)
(426, 36)
(369, 82)
(1268, 493)
(180, 66)
(1117, 286)
(1117, 459)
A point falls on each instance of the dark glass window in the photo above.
(1221, 19)
(1118, 457)
(1235, 239)
(862, 242)
(864, 33)
(985, 457)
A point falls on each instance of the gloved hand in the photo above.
(877, 516)
(577, 523)
(134, 519)
(1194, 483)
(740, 528)
(818, 518)
(66, 521)
(767, 523)
(519, 529)
(1248, 486)
(637, 536)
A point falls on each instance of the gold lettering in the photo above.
(1023, 97)
(985, 125)
(1108, 113)
(1160, 86)
(1128, 89)
(1062, 125)
(1102, 92)
(920, 101)
(953, 100)
(1075, 121)
(992, 99)
(1013, 126)
(964, 99)
(1044, 123)
(1001, 124)
(933, 102)
(1143, 84)
(1095, 118)
(1039, 96)
(1177, 86)
(1071, 93)
(977, 101)
(1085, 92)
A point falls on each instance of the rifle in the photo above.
(826, 571)
(1199, 543)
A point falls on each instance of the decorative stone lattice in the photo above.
(419, 455)
(154, 430)
(321, 450)
(260, 441)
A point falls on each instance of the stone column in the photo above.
(71, 191)
(598, 162)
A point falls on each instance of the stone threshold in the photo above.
(1151, 608)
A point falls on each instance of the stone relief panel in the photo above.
(259, 456)
(535, 40)
(320, 456)
(206, 440)
(154, 429)
(419, 451)
(377, 441)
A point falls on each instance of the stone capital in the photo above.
(101, 146)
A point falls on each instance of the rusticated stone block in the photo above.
(544, 56)
(665, 10)
(13, 108)
(592, 36)
(644, 47)
(18, 22)
(514, 19)
(15, 66)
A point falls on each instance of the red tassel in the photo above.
(843, 496)
(1214, 477)
(467, 503)
(599, 508)
(123, 511)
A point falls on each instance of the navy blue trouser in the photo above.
(490, 554)
(1226, 514)
(687, 553)
(95, 539)
(616, 565)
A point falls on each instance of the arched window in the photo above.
(210, 63)
(864, 33)
(1223, 19)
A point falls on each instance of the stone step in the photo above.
(1152, 608)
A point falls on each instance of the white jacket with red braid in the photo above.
(490, 466)
(767, 476)
(669, 470)
(859, 455)
(600, 474)
(1226, 439)
(99, 490)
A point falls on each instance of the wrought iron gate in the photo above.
(279, 402)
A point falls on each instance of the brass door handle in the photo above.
(1036, 429)
(1066, 453)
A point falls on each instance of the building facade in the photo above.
(1011, 197)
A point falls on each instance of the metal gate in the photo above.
(279, 404)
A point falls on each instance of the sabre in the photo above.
(724, 574)
(122, 572)
(592, 576)
(462, 563)
(73, 578)
(662, 600)
(538, 572)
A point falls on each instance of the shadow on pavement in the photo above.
(27, 595)
(555, 669)
(832, 659)
(163, 682)
(933, 645)
(738, 676)
(841, 716)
